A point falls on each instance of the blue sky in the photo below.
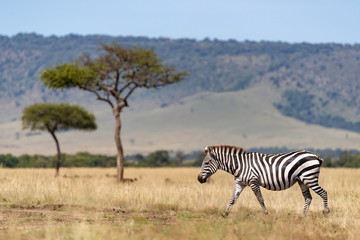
(313, 21)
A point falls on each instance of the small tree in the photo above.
(198, 160)
(158, 158)
(113, 76)
(179, 158)
(53, 117)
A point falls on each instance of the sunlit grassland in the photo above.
(87, 203)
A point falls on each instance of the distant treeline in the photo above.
(161, 158)
(158, 158)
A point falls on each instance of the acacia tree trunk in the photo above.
(57, 164)
(120, 152)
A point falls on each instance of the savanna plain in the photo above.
(168, 203)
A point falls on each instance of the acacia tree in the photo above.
(53, 117)
(113, 76)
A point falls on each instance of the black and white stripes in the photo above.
(271, 171)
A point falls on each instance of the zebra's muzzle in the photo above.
(201, 179)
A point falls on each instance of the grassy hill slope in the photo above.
(328, 73)
(253, 94)
(246, 118)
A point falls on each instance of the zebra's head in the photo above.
(209, 165)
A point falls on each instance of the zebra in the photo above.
(272, 171)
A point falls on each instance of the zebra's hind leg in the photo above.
(306, 193)
(256, 189)
(321, 192)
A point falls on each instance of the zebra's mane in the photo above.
(224, 148)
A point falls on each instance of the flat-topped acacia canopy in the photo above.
(53, 117)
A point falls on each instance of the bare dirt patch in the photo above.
(40, 216)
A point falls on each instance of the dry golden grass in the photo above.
(167, 203)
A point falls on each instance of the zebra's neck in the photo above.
(227, 167)
(229, 158)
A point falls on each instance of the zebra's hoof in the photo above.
(224, 215)
(326, 210)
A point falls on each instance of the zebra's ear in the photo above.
(206, 150)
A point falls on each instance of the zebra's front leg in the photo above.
(238, 189)
(256, 189)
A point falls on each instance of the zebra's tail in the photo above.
(320, 159)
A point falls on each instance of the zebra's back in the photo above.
(280, 171)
